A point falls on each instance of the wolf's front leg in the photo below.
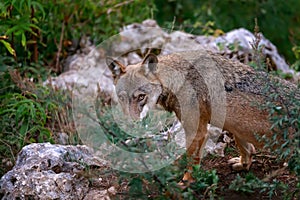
(195, 148)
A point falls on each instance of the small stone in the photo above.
(112, 190)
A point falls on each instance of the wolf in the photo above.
(181, 83)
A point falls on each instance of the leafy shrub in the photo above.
(205, 185)
(285, 118)
(49, 30)
(251, 184)
(161, 184)
(164, 184)
(296, 64)
(26, 116)
(31, 113)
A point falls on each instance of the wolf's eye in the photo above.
(141, 97)
(121, 98)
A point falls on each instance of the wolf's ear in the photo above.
(150, 63)
(115, 67)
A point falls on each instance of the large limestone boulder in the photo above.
(47, 171)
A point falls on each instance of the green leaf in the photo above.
(42, 113)
(21, 113)
(45, 134)
(24, 129)
(23, 41)
(8, 47)
(34, 26)
(28, 3)
(40, 7)
(136, 185)
(14, 29)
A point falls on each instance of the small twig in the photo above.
(273, 174)
(3, 37)
(207, 190)
(154, 175)
(106, 129)
(34, 56)
(123, 3)
(173, 24)
(60, 46)
(11, 151)
(117, 6)
(266, 156)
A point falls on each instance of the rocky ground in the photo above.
(45, 171)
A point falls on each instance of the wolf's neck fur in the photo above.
(169, 102)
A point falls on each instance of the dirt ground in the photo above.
(264, 166)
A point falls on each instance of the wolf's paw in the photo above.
(237, 165)
(186, 180)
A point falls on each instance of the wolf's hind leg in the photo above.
(246, 152)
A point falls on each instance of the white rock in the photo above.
(46, 171)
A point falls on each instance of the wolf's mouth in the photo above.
(144, 112)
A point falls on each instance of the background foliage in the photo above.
(279, 20)
(44, 32)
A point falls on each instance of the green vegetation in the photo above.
(31, 113)
(251, 184)
(285, 119)
(285, 122)
(42, 31)
(163, 183)
(279, 20)
(36, 35)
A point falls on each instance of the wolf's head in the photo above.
(137, 86)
